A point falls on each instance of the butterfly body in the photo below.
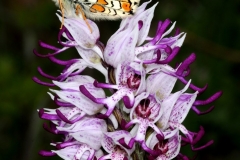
(99, 9)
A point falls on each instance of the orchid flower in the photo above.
(168, 148)
(76, 151)
(114, 148)
(134, 113)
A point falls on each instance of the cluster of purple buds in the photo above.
(142, 117)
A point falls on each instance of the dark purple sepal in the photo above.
(47, 116)
(40, 71)
(52, 129)
(193, 87)
(65, 144)
(68, 33)
(155, 60)
(198, 112)
(70, 75)
(60, 35)
(158, 28)
(180, 156)
(203, 146)
(47, 46)
(62, 104)
(185, 64)
(209, 100)
(170, 57)
(63, 118)
(47, 55)
(46, 153)
(61, 62)
(35, 79)
(65, 75)
(161, 29)
(84, 91)
(187, 72)
(196, 137)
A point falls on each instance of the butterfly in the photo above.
(98, 9)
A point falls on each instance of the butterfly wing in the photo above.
(109, 9)
(99, 9)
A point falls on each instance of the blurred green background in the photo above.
(213, 33)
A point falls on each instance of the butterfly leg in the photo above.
(78, 11)
(62, 10)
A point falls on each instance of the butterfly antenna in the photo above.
(79, 10)
(62, 10)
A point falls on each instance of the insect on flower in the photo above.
(97, 9)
